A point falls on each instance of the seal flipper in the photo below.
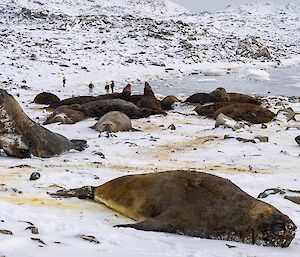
(151, 224)
(86, 192)
(79, 145)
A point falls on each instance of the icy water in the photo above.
(283, 82)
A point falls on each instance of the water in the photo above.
(283, 82)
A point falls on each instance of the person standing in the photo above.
(91, 87)
(64, 80)
(112, 86)
(106, 88)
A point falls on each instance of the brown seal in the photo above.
(125, 94)
(20, 136)
(208, 110)
(66, 115)
(248, 112)
(192, 203)
(218, 95)
(47, 99)
(168, 101)
(149, 100)
(241, 98)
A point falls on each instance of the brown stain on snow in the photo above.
(72, 204)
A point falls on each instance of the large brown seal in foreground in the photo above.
(192, 203)
(20, 136)
(248, 112)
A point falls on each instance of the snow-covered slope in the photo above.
(125, 40)
(96, 7)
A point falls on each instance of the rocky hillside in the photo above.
(83, 35)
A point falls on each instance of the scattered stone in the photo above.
(5, 232)
(89, 238)
(34, 230)
(227, 122)
(294, 199)
(297, 139)
(285, 115)
(230, 246)
(264, 126)
(172, 127)
(38, 240)
(102, 156)
(35, 176)
(262, 139)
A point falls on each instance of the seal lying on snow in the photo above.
(113, 122)
(20, 136)
(192, 203)
(125, 94)
(248, 112)
(46, 98)
(66, 115)
(218, 95)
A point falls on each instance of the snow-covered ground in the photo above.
(42, 40)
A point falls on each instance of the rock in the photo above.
(91, 239)
(5, 232)
(285, 115)
(227, 122)
(297, 139)
(35, 176)
(262, 139)
(172, 127)
(34, 230)
(250, 47)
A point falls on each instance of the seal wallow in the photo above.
(20, 136)
(47, 99)
(113, 122)
(248, 112)
(192, 203)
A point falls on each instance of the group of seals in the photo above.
(75, 109)
(236, 106)
(20, 136)
(192, 203)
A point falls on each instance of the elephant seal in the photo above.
(192, 203)
(248, 112)
(20, 136)
(149, 100)
(168, 101)
(125, 95)
(46, 99)
(208, 110)
(113, 122)
(66, 115)
(100, 107)
(241, 98)
(218, 95)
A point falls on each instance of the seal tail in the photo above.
(86, 192)
(79, 145)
